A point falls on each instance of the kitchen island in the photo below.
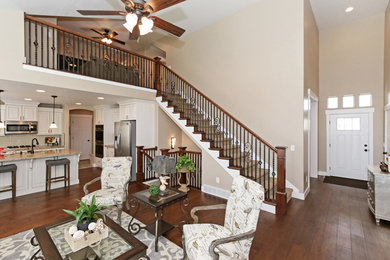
(31, 171)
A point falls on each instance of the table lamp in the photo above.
(164, 165)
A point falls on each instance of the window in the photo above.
(348, 124)
(348, 101)
(365, 100)
(333, 102)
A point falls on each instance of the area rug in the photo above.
(18, 247)
(346, 182)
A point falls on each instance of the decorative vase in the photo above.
(83, 226)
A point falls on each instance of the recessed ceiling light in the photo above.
(100, 98)
(40, 91)
(349, 9)
(27, 99)
(79, 104)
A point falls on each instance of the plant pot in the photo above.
(83, 226)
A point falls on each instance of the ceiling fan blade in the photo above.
(158, 5)
(97, 37)
(112, 35)
(97, 32)
(167, 26)
(101, 12)
(118, 41)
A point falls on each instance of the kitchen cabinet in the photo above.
(16, 112)
(45, 118)
(128, 111)
(115, 115)
(99, 116)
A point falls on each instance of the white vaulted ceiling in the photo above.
(190, 15)
(330, 13)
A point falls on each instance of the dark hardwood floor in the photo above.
(332, 223)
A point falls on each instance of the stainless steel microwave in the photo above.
(21, 127)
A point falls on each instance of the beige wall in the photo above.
(166, 129)
(253, 71)
(387, 57)
(351, 62)
(311, 75)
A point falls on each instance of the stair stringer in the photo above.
(196, 138)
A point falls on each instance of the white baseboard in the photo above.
(300, 195)
(296, 194)
(224, 194)
(215, 191)
(321, 173)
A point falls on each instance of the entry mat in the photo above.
(346, 182)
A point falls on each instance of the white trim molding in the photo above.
(77, 76)
(296, 194)
(224, 194)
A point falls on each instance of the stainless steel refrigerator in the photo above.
(125, 142)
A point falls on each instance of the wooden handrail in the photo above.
(150, 157)
(29, 17)
(150, 149)
(223, 110)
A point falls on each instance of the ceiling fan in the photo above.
(107, 36)
(138, 21)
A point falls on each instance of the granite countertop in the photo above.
(37, 155)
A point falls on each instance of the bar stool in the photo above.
(9, 168)
(66, 178)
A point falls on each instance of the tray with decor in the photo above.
(78, 239)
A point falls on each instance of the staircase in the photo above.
(234, 146)
(245, 153)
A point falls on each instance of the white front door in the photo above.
(81, 135)
(348, 145)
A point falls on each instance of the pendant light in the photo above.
(53, 125)
(1, 122)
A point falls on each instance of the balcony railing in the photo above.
(54, 47)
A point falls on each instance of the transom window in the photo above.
(365, 100)
(348, 124)
(333, 102)
(348, 101)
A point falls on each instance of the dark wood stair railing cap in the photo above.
(32, 18)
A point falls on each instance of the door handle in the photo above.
(365, 145)
(366, 150)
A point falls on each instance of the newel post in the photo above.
(157, 64)
(140, 163)
(164, 151)
(281, 195)
(182, 150)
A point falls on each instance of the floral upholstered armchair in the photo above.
(115, 178)
(234, 239)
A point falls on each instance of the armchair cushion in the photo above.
(107, 197)
(116, 172)
(199, 238)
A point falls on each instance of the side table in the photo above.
(158, 203)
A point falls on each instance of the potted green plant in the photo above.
(86, 214)
(185, 164)
(154, 190)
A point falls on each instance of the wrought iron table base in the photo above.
(159, 227)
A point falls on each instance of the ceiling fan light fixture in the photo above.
(146, 26)
(109, 41)
(131, 21)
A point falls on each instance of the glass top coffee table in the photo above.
(118, 245)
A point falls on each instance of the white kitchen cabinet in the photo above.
(29, 113)
(115, 115)
(16, 112)
(45, 118)
(128, 111)
(99, 116)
